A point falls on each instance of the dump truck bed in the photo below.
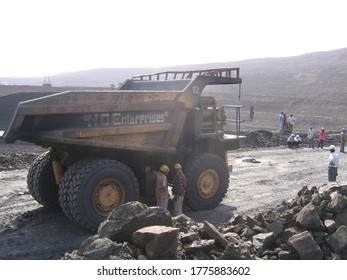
(146, 113)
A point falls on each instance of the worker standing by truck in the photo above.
(162, 191)
(178, 189)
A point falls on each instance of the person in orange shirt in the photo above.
(322, 136)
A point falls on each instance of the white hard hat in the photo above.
(332, 147)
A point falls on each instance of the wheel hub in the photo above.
(108, 194)
(208, 183)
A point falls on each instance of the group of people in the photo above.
(322, 135)
(286, 125)
(294, 141)
(178, 188)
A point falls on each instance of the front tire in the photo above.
(91, 189)
(207, 181)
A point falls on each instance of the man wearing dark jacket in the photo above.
(178, 189)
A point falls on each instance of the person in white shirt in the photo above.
(290, 140)
(333, 164)
(311, 138)
(297, 141)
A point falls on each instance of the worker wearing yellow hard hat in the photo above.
(162, 191)
(164, 168)
(177, 166)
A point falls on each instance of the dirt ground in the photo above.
(27, 231)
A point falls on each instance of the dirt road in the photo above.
(27, 231)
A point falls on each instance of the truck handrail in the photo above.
(237, 119)
(176, 75)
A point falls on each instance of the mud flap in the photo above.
(229, 165)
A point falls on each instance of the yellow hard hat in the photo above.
(177, 166)
(164, 168)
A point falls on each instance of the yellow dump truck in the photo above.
(102, 145)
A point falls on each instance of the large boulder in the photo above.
(305, 246)
(123, 221)
(157, 241)
(338, 203)
(276, 227)
(263, 241)
(213, 233)
(309, 218)
(338, 240)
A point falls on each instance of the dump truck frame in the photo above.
(104, 145)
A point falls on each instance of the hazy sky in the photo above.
(46, 37)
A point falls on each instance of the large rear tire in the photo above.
(91, 189)
(207, 181)
(41, 182)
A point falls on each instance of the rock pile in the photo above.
(14, 161)
(311, 226)
(261, 138)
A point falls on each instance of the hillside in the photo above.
(312, 86)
